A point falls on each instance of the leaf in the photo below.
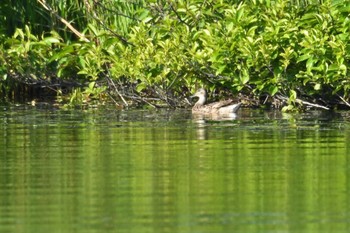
(140, 87)
(143, 17)
(85, 72)
(66, 51)
(239, 14)
(147, 19)
(206, 31)
(181, 10)
(229, 26)
(303, 57)
(273, 90)
(18, 32)
(310, 63)
(251, 31)
(28, 34)
(317, 87)
(250, 39)
(333, 44)
(92, 85)
(244, 76)
(343, 68)
(220, 70)
(51, 40)
(93, 29)
(288, 108)
(333, 67)
(292, 95)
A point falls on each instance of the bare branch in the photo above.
(346, 103)
(116, 90)
(304, 102)
(311, 104)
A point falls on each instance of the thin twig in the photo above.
(267, 97)
(346, 102)
(177, 15)
(152, 105)
(311, 104)
(304, 102)
(116, 90)
(110, 96)
(145, 100)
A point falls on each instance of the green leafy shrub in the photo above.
(26, 60)
(289, 50)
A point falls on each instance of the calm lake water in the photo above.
(164, 171)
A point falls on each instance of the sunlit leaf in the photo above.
(140, 87)
(220, 70)
(92, 85)
(147, 19)
(239, 14)
(51, 40)
(292, 95)
(317, 87)
(303, 57)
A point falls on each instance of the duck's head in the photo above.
(201, 94)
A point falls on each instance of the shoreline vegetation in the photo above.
(290, 55)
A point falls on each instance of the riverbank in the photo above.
(265, 54)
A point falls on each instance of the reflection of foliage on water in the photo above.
(148, 171)
(277, 52)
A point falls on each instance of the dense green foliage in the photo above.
(288, 51)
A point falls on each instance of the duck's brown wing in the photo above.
(220, 104)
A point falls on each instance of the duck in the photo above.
(221, 107)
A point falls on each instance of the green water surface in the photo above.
(164, 171)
